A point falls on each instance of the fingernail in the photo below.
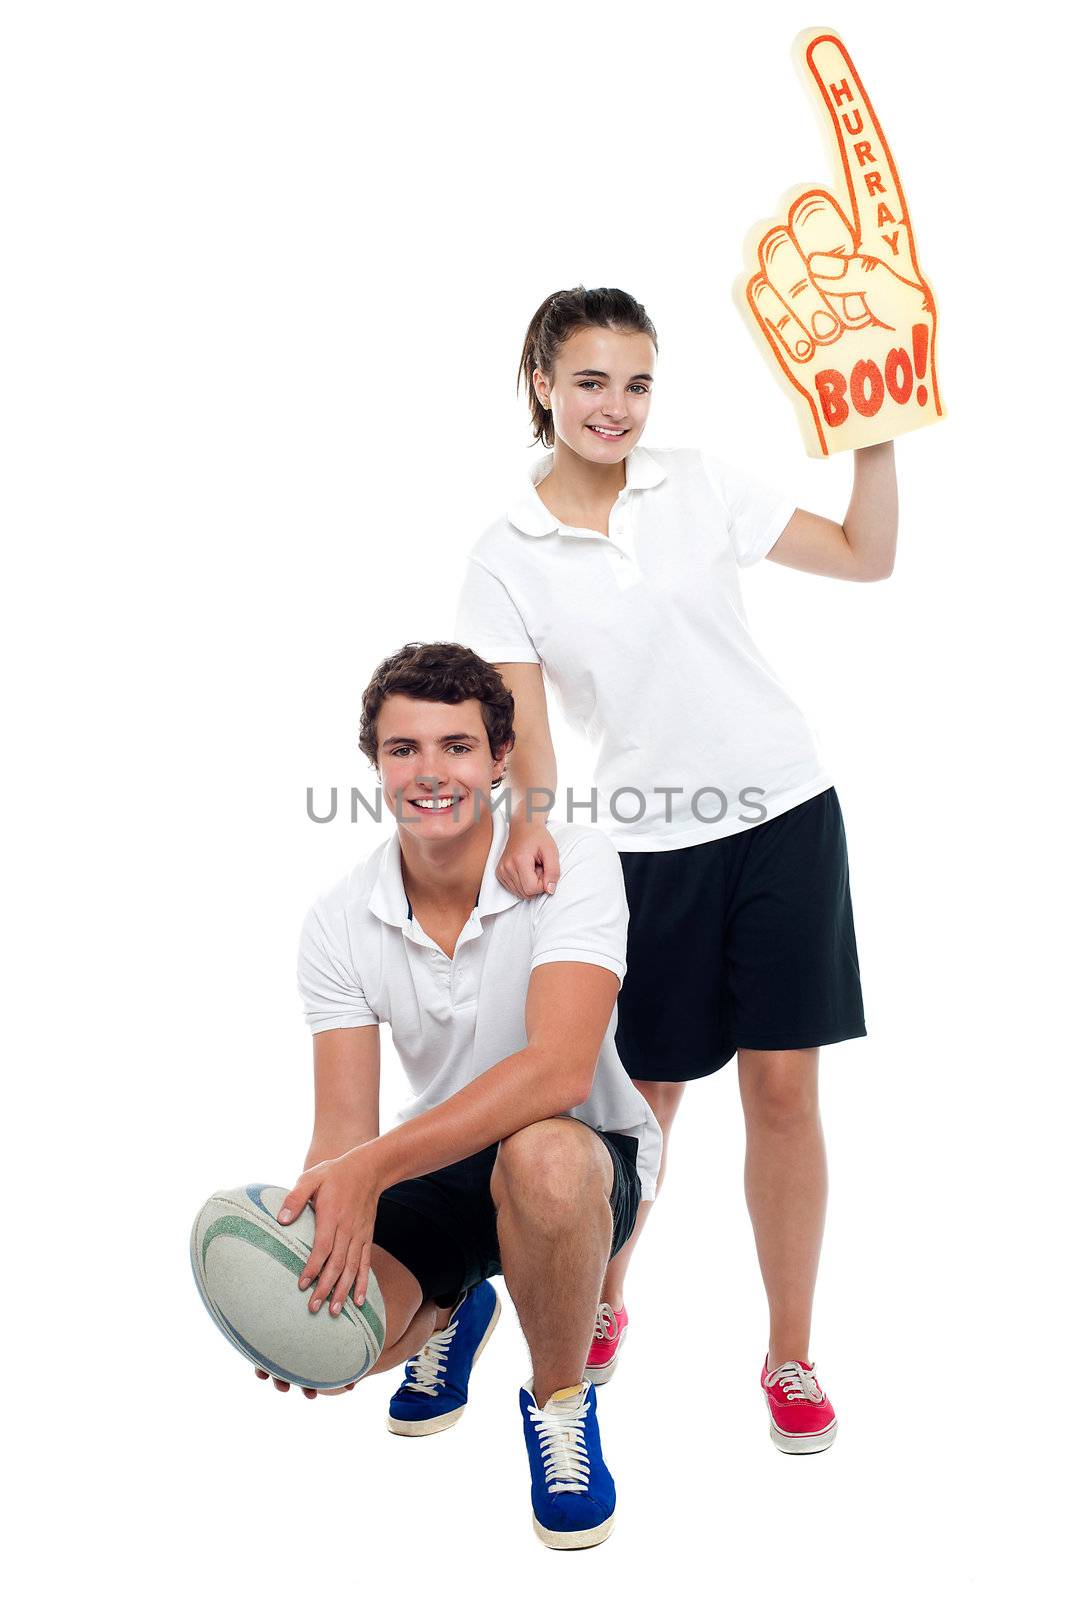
(360, 1299)
(284, 1216)
(335, 1308)
(304, 1282)
(550, 888)
(824, 324)
(315, 1304)
(803, 347)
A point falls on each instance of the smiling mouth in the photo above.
(443, 803)
(608, 433)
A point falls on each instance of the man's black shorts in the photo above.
(746, 941)
(442, 1227)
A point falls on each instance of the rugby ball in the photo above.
(247, 1267)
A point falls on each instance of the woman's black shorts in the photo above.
(743, 942)
(442, 1227)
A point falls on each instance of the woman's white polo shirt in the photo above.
(364, 959)
(643, 637)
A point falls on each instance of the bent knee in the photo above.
(556, 1161)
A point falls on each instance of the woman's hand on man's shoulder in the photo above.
(529, 865)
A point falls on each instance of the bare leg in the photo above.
(786, 1182)
(664, 1099)
(410, 1318)
(551, 1187)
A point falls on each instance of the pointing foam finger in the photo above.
(880, 217)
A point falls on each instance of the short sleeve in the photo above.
(756, 516)
(587, 917)
(487, 620)
(328, 983)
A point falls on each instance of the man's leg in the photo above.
(410, 1318)
(786, 1181)
(664, 1100)
(551, 1187)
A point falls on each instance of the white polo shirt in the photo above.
(643, 637)
(364, 959)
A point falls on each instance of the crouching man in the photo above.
(526, 1148)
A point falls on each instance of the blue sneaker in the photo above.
(572, 1492)
(432, 1395)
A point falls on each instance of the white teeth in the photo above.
(608, 433)
(434, 805)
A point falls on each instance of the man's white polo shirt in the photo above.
(364, 959)
(643, 637)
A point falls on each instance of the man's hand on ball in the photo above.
(344, 1193)
(312, 1394)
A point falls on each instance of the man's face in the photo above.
(601, 393)
(434, 761)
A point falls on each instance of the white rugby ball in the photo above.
(247, 1267)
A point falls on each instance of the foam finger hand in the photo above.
(868, 290)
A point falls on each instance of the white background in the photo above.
(268, 269)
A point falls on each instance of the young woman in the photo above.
(615, 572)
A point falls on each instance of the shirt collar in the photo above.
(388, 899)
(528, 512)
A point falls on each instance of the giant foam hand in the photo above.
(834, 295)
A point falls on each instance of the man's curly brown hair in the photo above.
(447, 672)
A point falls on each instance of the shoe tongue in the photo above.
(565, 1394)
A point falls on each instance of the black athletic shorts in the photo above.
(442, 1227)
(746, 941)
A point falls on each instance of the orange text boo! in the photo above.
(833, 294)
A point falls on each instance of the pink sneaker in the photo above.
(801, 1418)
(607, 1339)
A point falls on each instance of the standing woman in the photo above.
(615, 572)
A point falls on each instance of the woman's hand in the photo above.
(529, 865)
(345, 1192)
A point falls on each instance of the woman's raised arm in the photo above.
(862, 547)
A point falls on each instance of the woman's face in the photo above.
(601, 392)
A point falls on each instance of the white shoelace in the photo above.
(606, 1324)
(561, 1433)
(427, 1367)
(796, 1383)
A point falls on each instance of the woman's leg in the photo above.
(663, 1098)
(786, 1182)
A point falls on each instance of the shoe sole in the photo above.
(415, 1430)
(577, 1538)
(802, 1444)
(603, 1374)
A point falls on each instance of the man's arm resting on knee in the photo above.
(567, 1011)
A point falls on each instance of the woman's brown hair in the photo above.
(558, 317)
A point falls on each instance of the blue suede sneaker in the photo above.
(432, 1395)
(572, 1492)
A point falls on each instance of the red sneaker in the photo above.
(801, 1418)
(607, 1339)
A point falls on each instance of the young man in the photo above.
(525, 1149)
